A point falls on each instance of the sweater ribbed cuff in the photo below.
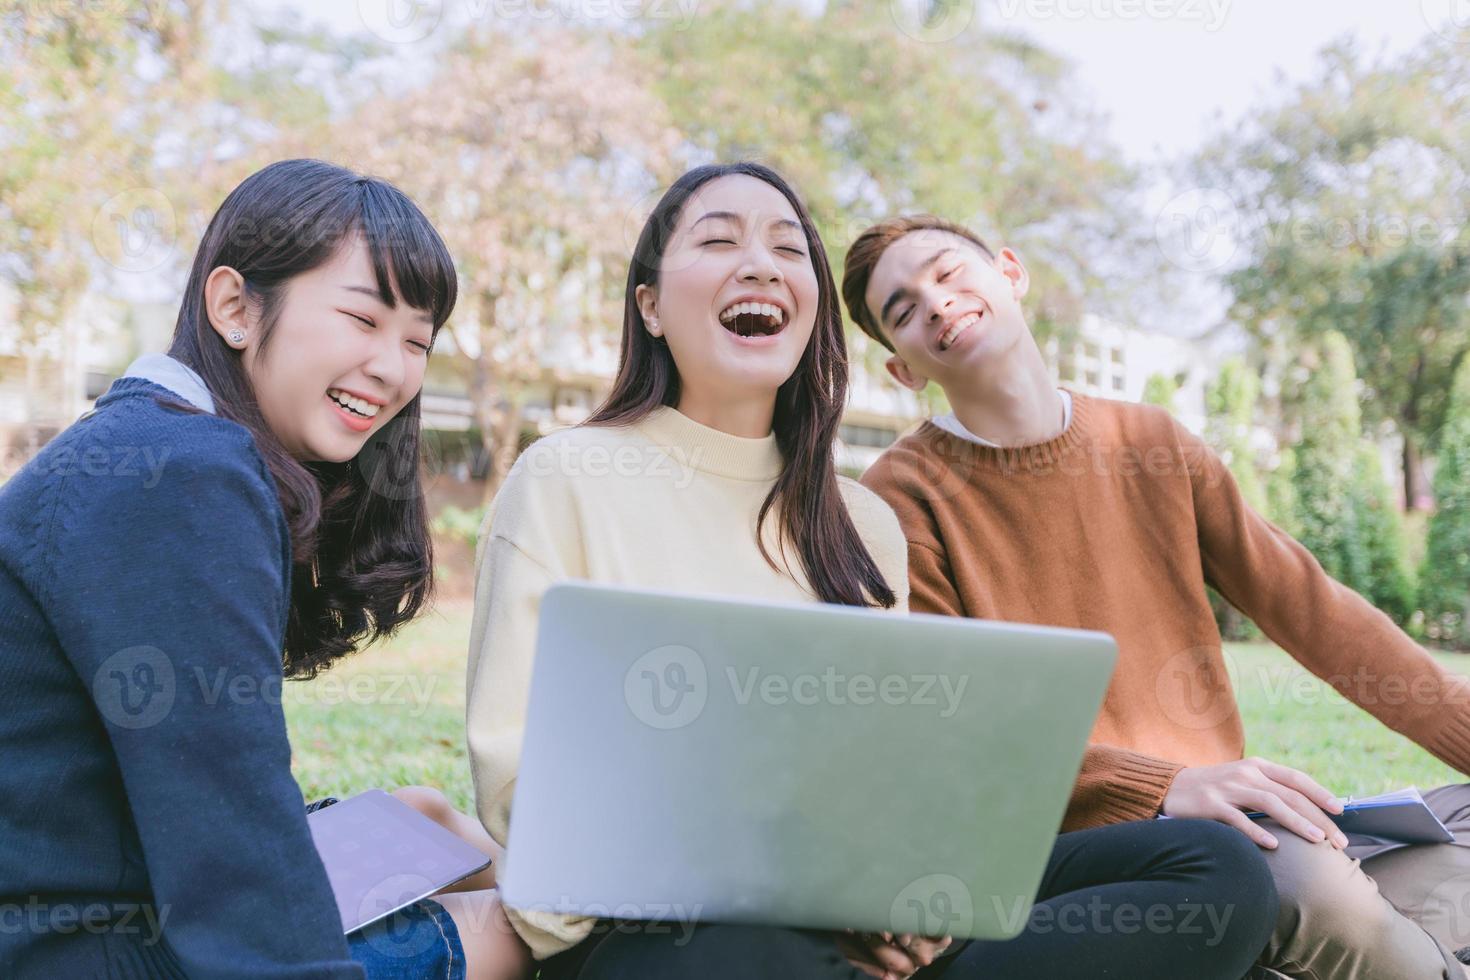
(1451, 739)
(1135, 790)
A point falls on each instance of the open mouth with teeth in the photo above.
(957, 329)
(753, 319)
(354, 405)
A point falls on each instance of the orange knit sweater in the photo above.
(1118, 525)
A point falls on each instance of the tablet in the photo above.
(381, 855)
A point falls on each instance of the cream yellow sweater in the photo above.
(667, 503)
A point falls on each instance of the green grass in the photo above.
(394, 715)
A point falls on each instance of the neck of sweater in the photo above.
(1034, 456)
(711, 450)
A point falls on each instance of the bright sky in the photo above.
(1166, 74)
(1163, 79)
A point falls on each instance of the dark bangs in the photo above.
(407, 250)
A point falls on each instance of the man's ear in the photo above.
(904, 375)
(1010, 266)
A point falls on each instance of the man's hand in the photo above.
(887, 956)
(1228, 791)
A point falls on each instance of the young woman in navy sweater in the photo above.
(242, 509)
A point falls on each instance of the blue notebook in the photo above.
(1392, 818)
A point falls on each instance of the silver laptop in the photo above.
(708, 759)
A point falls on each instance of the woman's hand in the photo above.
(890, 957)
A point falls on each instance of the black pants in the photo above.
(1169, 899)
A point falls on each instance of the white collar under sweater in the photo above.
(173, 374)
(957, 428)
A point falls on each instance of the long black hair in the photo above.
(809, 404)
(362, 559)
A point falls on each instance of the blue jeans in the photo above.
(413, 943)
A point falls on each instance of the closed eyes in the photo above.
(904, 319)
(368, 323)
(780, 248)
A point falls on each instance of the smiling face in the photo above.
(737, 294)
(947, 307)
(341, 362)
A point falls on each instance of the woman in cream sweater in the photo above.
(708, 469)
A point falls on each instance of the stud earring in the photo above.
(237, 336)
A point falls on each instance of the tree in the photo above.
(1445, 576)
(1390, 583)
(1230, 403)
(1281, 502)
(1345, 512)
(118, 124)
(536, 156)
(869, 120)
(1162, 390)
(1350, 205)
(1327, 462)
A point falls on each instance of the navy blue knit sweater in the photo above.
(149, 823)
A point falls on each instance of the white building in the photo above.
(1111, 360)
(42, 395)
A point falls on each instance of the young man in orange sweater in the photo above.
(1038, 505)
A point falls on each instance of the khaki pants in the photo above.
(1371, 912)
